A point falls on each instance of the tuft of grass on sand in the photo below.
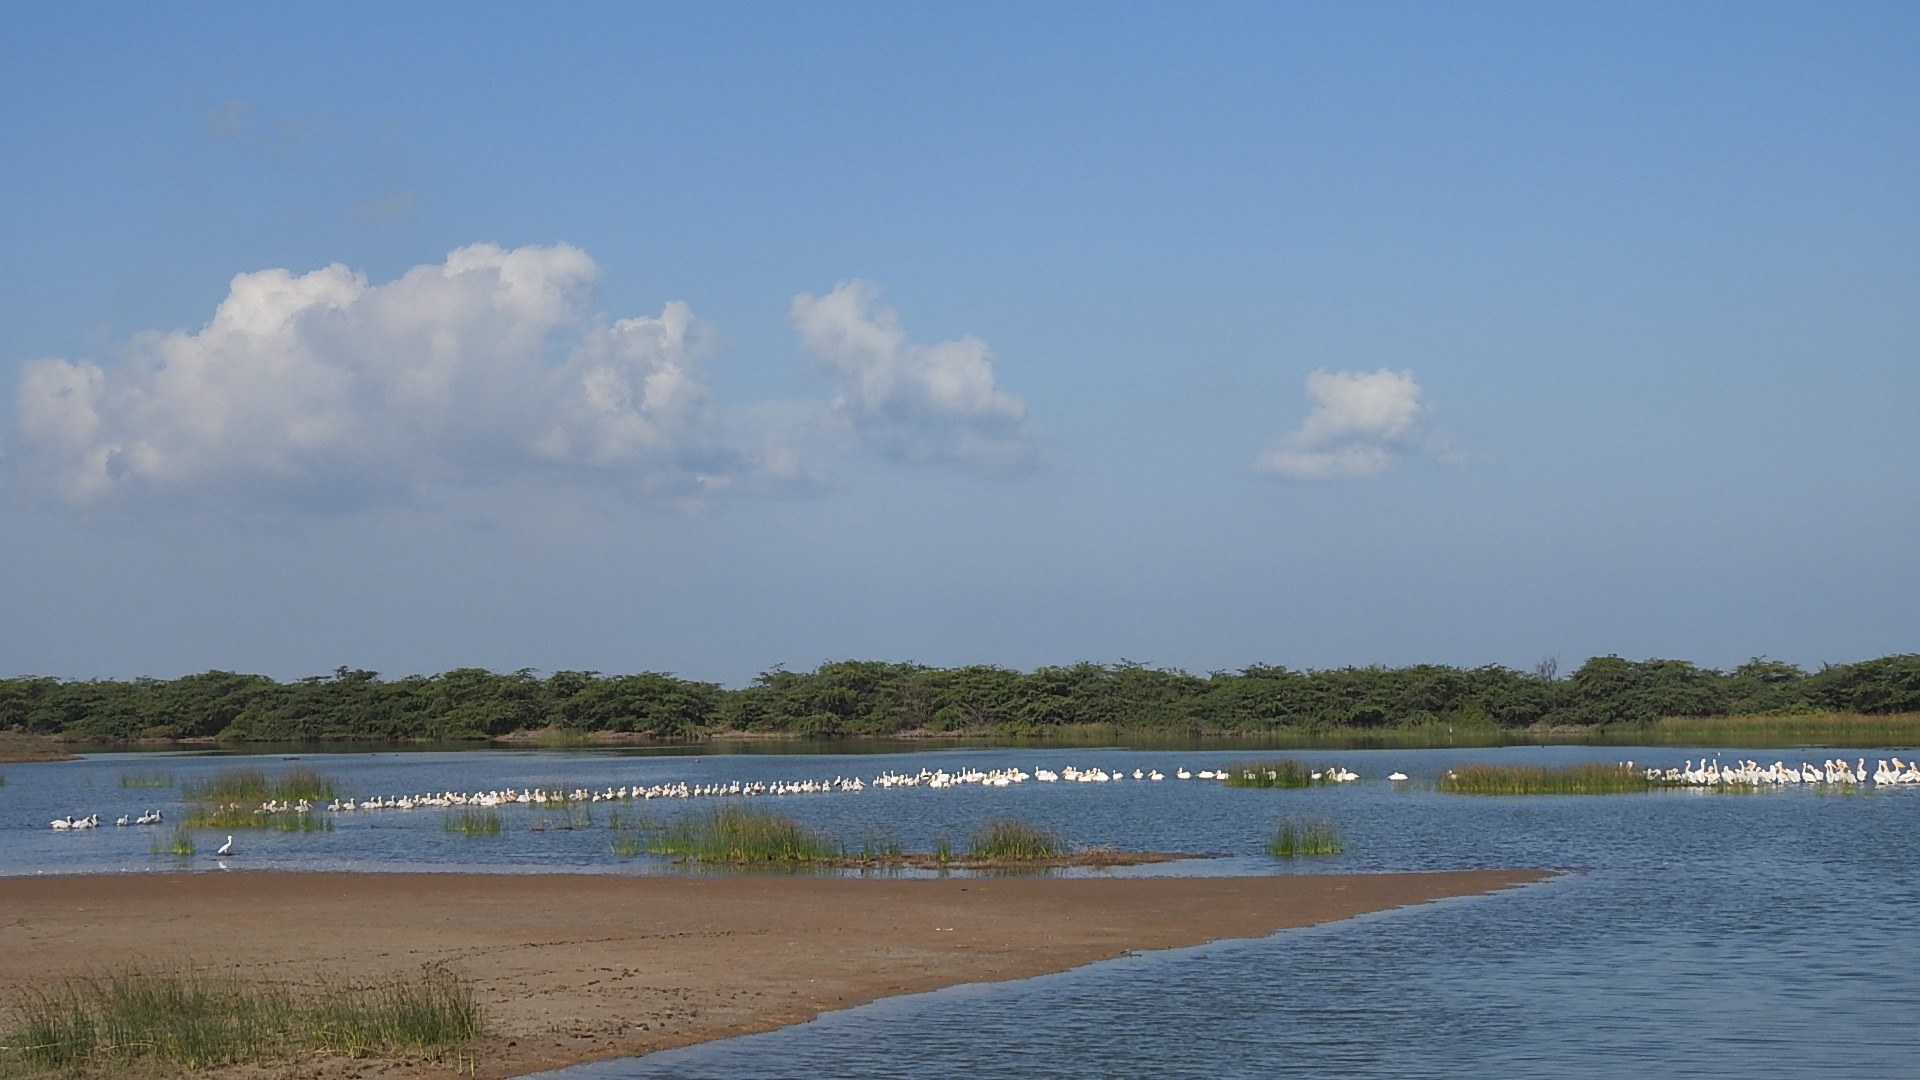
(255, 786)
(1308, 836)
(469, 821)
(1592, 778)
(147, 778)
(1011, 839)
(1271, 773)
(735, 835)
(179, 844)
(184, 1018)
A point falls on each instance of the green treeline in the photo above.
(874, 698)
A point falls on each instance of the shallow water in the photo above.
(1698, 934)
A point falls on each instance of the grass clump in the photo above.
(735, 835)
(180, 844)
(146, 778)
(1309, 836)
(1592, 778)
(1008, 838)
(255, 786)
(190, 1018)
(468, 821)
(1272, 773)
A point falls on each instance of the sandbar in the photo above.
(574, 968)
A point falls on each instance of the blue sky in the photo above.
(705, 338)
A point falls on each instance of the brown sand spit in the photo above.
(571, 968)
(19, 747)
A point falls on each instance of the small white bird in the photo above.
(1397, 776)
(226, 848)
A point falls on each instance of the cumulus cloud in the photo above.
(911, 401)
(492, 364)
(1360, 424)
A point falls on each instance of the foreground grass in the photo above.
(1007, 839)
(1592, 778)
(255, 786)
(189, 1018)
(1309, 836)
(735, 835)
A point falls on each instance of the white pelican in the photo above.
(1396, 776)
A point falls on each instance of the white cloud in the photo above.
(490, 365)
(1360, 424)
(915, 402)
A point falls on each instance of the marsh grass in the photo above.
(881, 844)
(469, 821)
(1776, 730)
(179, 844)
(735, 835)
(1591, 778)
(183, 1018)
(1308, 836)
(146, 778)
(569, 815)
(1271, 773)
(1011, 839)
(943, 848)
(254, 786)
(236, 816)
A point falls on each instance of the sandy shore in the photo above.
(574, 967)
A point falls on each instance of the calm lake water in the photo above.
(1696, 934)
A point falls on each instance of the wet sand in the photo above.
(572, 968)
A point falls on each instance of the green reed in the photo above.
(1009, 838)
(736, 835)
(943, 848)
(470, 821)
(1772, 730)
(179, 844)
(146, 778)
(1271, 773)
(181, 1018)
(253, 785)
(1591, 778)
(1307, 836)
(880, 844)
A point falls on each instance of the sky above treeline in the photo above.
(711, 337)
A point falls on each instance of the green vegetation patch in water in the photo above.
(1273, 773)
(180, 844)
(1308, 836)
(468, 821)
(735, 835)
(146, 778)
(181, 1018)
(1591, 778)
(255, 786)
(1012, 839)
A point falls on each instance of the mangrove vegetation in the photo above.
(1877, 700)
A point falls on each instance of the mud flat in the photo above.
(573, 968)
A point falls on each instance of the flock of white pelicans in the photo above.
(1706, 774)
(1832, 771)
